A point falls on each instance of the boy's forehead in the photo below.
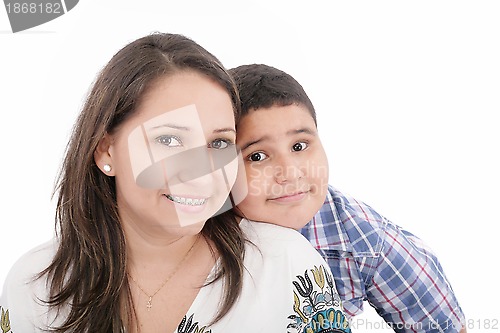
(273, 125)
(273, 116)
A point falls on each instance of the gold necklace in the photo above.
(149, 304)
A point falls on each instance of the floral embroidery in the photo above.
(5, 321)
(314, 305)
(187, 326)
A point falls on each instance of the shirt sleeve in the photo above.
(409, 288)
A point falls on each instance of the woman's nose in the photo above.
(195, 166)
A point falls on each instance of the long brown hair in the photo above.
(87, 277)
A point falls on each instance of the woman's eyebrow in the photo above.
(186, 128)
(174, 126)
(224, 130)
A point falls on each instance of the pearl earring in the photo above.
(107, 167)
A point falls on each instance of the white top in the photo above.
(287, 287)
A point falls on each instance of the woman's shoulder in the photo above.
(265, 232)
(284, 269)
(35, 259)
(277, 240)
(27, 267)
(23, 290)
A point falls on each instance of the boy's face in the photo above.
(286, 166)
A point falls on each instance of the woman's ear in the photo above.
(102, 157)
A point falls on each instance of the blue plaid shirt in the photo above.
(375, 260)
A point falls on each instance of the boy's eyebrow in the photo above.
(305, 130)
(264, 138)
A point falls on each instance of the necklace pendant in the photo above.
(149, 305)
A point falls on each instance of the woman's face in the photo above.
(175, 161)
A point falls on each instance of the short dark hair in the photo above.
(263, 86)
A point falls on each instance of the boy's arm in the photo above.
(370, 259)
(409, 286)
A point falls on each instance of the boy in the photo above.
(287, 172)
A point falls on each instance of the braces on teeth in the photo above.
(187, 201)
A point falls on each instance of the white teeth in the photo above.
(186, 201)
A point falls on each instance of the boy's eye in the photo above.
(256, 157)
(299, 146)
(219, 144)
(169, 140)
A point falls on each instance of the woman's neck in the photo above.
(148, 247)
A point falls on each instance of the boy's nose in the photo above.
(286, 170)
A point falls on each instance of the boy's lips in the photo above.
(292, 197)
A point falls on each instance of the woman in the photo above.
(144, 244)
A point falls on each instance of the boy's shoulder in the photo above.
(347, 224)
(352, 210)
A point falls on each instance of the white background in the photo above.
(407, 96)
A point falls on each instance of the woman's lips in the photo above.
(187, 204)
(183, 200)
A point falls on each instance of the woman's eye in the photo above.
(299, 146)
(219, 144)
(169, 140)
(256, 157)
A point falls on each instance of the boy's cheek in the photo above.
(249, 206)
(257, 172)
(256, 187)
(257, 177)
